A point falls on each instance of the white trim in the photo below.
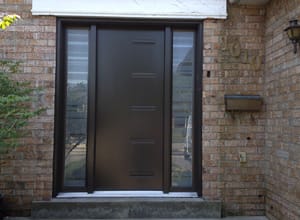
(157, 9)
(136, 194)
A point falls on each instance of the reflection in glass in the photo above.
(182, 108)
(76, 107)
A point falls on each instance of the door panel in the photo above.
(130, 67)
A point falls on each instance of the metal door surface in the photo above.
(129, 115)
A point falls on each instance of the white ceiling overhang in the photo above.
(155, 9)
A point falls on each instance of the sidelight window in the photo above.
(76, 107)
(182, 108)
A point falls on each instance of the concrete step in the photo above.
(126, 208)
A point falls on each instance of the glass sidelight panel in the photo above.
(76, 107)
(182, 108)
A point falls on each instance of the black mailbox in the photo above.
(243, 102)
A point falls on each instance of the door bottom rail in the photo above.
(137, 194)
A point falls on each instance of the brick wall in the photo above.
(233, 64)
(26, 172)
(282, 92)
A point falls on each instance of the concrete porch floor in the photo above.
(227, 218)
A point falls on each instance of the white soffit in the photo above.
(161, 9)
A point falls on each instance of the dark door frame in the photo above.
(60, 98)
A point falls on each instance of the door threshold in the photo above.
(137, 194)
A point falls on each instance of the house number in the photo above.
(233, 45)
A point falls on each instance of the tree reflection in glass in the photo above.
(76, 107)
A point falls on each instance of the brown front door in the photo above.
(129, 110)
